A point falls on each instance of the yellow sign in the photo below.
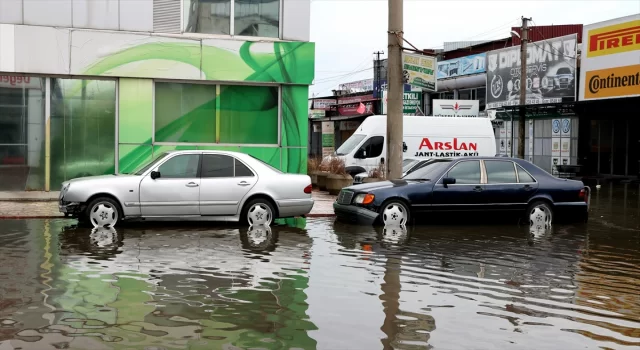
(613, 82)
(618, 38)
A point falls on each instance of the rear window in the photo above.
(267, 165)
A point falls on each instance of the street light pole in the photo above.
(396, 88)
(523, 86)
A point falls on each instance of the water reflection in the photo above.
(319, 284)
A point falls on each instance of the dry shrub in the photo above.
(313, 164)
(378, 173)
(336, 166)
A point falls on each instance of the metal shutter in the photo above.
(166, 16)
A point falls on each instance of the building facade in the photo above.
(92, 87)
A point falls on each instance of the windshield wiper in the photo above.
(421, 180)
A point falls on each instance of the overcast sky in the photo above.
(347, 32)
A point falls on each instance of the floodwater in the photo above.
(319, 284)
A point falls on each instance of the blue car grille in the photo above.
(345, 197)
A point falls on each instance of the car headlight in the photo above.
(364, 198)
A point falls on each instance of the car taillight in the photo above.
(583, 195)
(308, 189)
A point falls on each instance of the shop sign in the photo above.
(560, 143)
(551, 73)
(609, 65)
(19, 82)
(324, 103)
(316, 113)
(327, 138)
(456, 108)
(348, 106)
(419, 71)
(358, 86)
(411, 103)
(473, 64)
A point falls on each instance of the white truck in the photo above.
(424, 138)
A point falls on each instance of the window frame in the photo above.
(483, 175)
(367, 144)
(515, 170)
(232, 28)
(157, 167)
(527, 172)
(217, 85)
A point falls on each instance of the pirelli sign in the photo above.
(610, 62)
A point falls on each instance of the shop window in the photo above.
(259, 18)
(248, 114)
(185, 113)
(465, 94)
(21, 133)
(83, 126)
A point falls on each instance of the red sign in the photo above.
(448, 146)
(352, 106)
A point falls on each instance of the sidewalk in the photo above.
(31, 205)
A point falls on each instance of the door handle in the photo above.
(527, 188)
(192, 184)
(243, 183)
(477, 189)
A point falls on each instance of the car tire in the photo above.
(539, 213)
(394, 213)
(258, 211)
(102, 212)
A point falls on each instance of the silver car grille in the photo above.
(345, 197)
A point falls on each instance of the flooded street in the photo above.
(307, 284)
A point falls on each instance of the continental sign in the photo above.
(613, 82)
(617, 38)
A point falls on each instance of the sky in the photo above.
(347, 32)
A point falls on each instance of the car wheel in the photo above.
(394, 213)
(103, 212)
(540, 213)
(258, 212)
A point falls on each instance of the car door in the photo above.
(503, 190)
(370, 153)
(465, 194)
(176, 192)
(225, 181)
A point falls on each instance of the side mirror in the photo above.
(448, 181)
(155, 175)
(360, 154)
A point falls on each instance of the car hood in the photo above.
(367, 187)
(99, 178)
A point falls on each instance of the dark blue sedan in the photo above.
(466, 185)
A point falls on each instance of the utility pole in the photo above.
(396, 87)
(524, 38)
(378, 87)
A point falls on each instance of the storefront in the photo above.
(108, 102)
(609, 97)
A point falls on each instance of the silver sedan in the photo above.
(190, 185)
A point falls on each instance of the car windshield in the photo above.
(267, 165)
(350, 144)
(429, 171)
(146, 167)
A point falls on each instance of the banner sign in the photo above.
(411, 103)
(551, 73)
(324, 103)
(467, 65)
(419, 71)
(327, 138)
(316, 113)
(348, 106)
(610, 66)
(379, 87)
(456, 108)
(358, 86)
(560, 143)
